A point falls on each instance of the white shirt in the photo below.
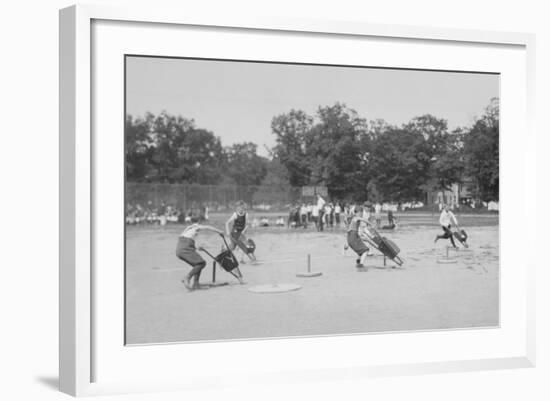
(315, 211)
(446, 218)
(337, 209)
(190, 231)
(320, 203)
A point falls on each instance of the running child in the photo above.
(187, 252)
(445, 219)
(354, 240)
(235, 227)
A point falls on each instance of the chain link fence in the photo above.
(216, 197)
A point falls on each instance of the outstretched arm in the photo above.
(455, 221)
(366, 221)
(210, 228)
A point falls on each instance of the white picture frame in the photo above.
(78, 318)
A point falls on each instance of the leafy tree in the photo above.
(398, 166)
(276, 175)
(441, 153)
(199, 158)
(290, 130)
(333, 150)
(138, 147)
(168, 149)
(244, 165)
(447, 166)
(275, 187)
(481, 153)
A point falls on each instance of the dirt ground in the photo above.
(421, 295)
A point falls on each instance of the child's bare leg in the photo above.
(193, 274)
(187, 281)
(239, 275)
(364, 257)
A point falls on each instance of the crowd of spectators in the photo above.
(162, 214)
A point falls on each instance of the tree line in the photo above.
(353, 157)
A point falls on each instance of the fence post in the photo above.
(185, 199)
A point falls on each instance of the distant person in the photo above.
(378, 214)
(366, 211)
(349, 209)
(445, 219)
(187, 252)
(328, 214)
(321, 206)
(315, 216)
(337, 212)
(294, 217)
(280, 221)
(303, 215)
(392, 221)
(264, 222)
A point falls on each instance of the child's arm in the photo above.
(210, 228)
(455, 221)
(366, 221)
(227, 223)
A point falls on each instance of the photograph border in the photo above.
(76, 278)
(309, 64)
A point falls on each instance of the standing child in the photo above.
(303, 215)
(315, 216)
(321, 207)
(337, 211)
(354, 241)
(239, 227)
(187, 252)
(378, 214)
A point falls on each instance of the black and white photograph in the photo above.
(279, 200)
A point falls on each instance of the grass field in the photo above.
(421, 295)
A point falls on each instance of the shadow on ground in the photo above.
(49, 381)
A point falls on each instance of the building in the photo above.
(458, 194)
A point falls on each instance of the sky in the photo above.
(237, 100)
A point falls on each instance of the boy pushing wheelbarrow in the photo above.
(186, 250)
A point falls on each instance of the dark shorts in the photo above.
(235, 234)
(356, 243)
(187, 252)
(447, 232)
(238, 239)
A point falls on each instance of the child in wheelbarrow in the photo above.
(187, 252)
